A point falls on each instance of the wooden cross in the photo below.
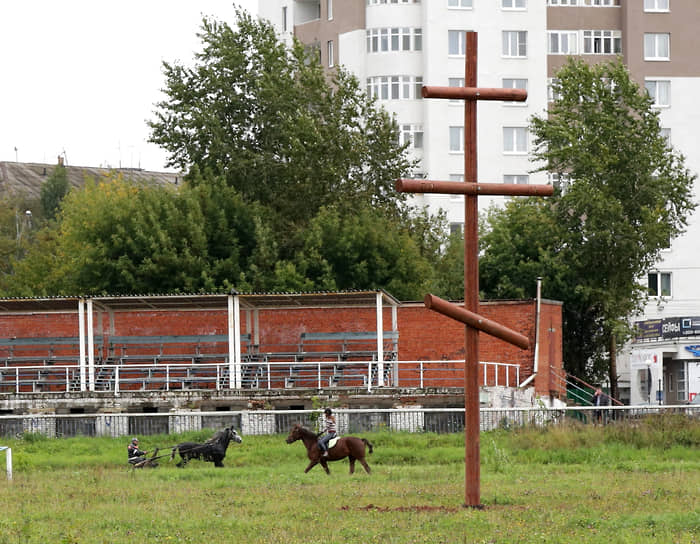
(468, 315)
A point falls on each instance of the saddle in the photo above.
(332, 442)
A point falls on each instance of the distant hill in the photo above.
(26, 177)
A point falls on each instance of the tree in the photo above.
(53, 191)
(364, 249)
(118, 237)
(629, 194)
(281, 131)
(522, 242)
(17, 226)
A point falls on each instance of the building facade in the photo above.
(395, 46)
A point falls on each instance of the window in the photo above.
(456, 228)
(657, 46)
(456, 177)
(514, 43)
(602, 42)
(656, 5)
(378, 2)
(284, 18)
(666, 133)
(515, 140)
(412, 135)
(600, 3)
(659, 284)
(382, 40)
(517, 179)
(513, 4)
(515, 83)
(553, 89)
(329, 9)
(456, 82)
(331, 61)
(659, 91)
(456, 42)
(459, 4)
(681, 383)
(457, 139)
(562, 42)
(560, 181)
(395, 87)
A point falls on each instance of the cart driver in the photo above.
(135, 454)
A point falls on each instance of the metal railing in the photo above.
(259, 375)
(349, 421)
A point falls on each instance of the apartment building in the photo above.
(396, 46)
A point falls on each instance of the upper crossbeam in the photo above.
(474, 93)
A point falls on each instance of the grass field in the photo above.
(618, 484)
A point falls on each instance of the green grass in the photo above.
(618, 484)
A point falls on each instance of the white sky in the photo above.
(82, 76)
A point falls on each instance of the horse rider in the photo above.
(135, 454)
(330, 432)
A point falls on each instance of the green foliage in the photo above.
(342, 251)
(53, 191)
(629, 194)
(449, 269)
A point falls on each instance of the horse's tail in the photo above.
(172, 454)
(368, 444)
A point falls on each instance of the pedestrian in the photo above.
(599, 399)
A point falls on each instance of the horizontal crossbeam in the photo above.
(474, 93)
(476, 321)
(462, 188)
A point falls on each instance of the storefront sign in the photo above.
(648, 330)
(673, 327)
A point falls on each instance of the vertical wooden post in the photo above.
(471, 287)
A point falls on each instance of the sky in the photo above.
(79, 78)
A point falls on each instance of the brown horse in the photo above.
(348, 446)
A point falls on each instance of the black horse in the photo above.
(213, 450)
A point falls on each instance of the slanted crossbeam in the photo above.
(469, 315)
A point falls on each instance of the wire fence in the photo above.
(349, 421)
